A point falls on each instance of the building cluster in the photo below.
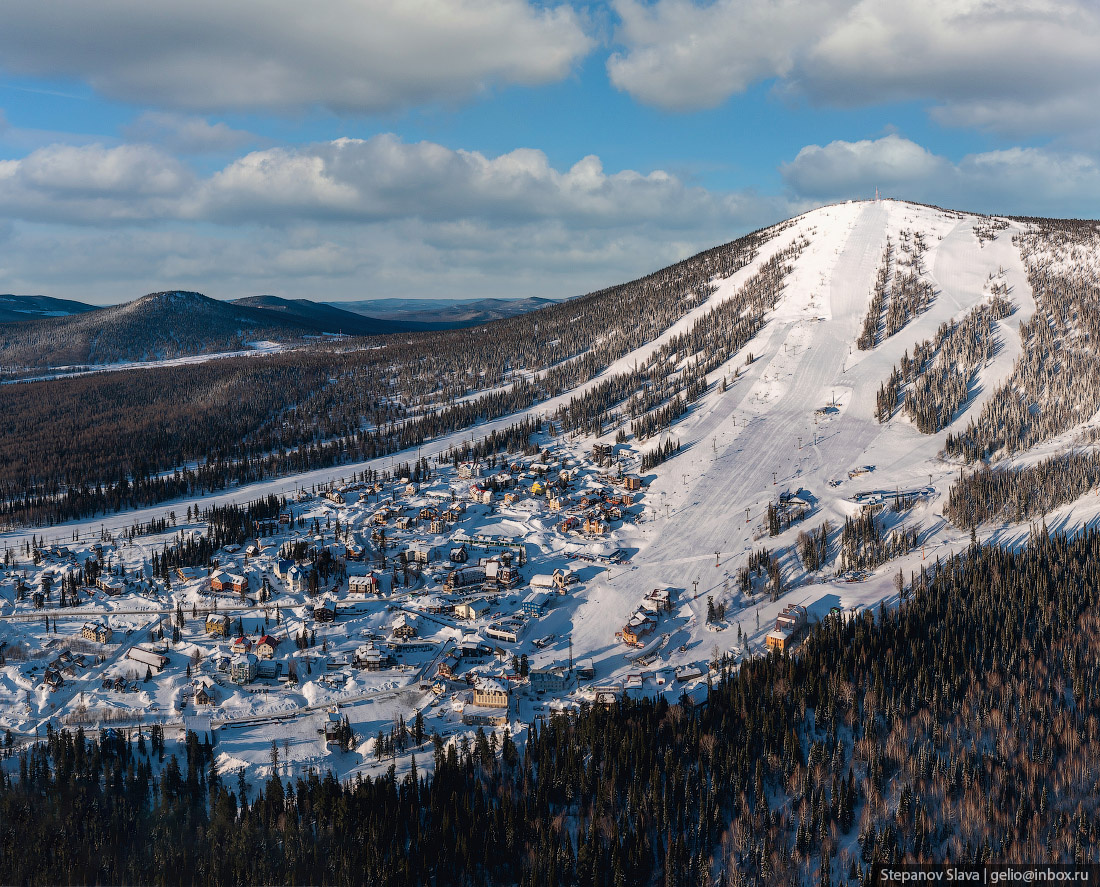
(643, 622)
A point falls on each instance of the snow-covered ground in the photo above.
(699, 517)
(255, 349)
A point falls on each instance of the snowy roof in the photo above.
(489, 685)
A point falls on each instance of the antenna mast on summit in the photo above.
(876, 193)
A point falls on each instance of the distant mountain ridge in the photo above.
(16, 308)
(444, 313)
(40, 331)
(328, 317)
(157, 326)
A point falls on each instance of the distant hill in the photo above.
(38, 331)
(444, 313)
(330, 317)
(155, 327)
(15, 308)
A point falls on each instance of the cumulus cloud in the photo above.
(842, 168)
(1019, 181)
(1011, 66)
(385, 178)
(345, 55)
(684, 55)
(349, 219)
(93, 184)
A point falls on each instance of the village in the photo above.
(445, 598)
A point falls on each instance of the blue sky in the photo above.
(466, 148)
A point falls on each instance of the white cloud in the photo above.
(349, 219)
(93, 184)
(1010, 66)
(345, 55)
(385, 178)
(185, 133)
(1018, 181)
(683, 55)
(847, 168)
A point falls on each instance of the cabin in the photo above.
(420, 554)
(53, 679)
(220, 581)
(266, 647)
(110, 586)
(475, 609)
(363, 584)
(334, 496)
(594, 526)
(436, 605)
(96, 631)
(690, 672)
(535, 603)
(556, 581)
(498, 573)
(241, 645)
(640, 625)
(404, 626)
(373, 658)
(465, 578)
(660, 599)
(780, 639)
(336, 726)
(187, 574)
(354, 551)
(203, 696)
(793, 616)
(490, 693)
(297, 578)
(217, 624)
(551, 679)
(147, 657)
(325, 611)
(459, 555)
(558, 502)
(448, 665)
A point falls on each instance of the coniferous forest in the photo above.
(85, 445)
(962, 725)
